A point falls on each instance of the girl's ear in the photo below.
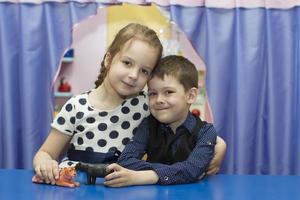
(107, 59)
(192, 95)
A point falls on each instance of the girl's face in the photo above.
(130, 69)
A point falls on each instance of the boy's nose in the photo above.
(160, 99)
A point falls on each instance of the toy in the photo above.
(196, 112)
(66, 178)
(64, 86)
(92, 171)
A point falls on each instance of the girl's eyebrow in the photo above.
(132, 60)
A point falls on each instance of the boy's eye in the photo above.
(168, 92)
(151, 94)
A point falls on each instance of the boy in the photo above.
(179, 146)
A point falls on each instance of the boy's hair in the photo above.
(180, 68)
(131, 31)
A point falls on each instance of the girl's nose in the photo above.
(134, 73)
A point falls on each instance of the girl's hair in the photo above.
(131, 31)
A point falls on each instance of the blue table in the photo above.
(16, 184)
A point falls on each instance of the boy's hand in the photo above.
(215, 163)
(48, 171)
(121, 176)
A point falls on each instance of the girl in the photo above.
(94, 127)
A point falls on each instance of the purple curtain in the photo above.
(252, 59)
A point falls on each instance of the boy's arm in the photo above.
(194, 166)
(215, 164)
(124, 177)
(180, 172)
(135, 149)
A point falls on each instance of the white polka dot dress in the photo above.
(101, 131)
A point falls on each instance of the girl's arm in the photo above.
(215, 164)
(45, 161)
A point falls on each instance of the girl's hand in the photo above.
(121, 177)
(47, 170)
(215, 164)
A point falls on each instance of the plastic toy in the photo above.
(66, 178)
(92, 171)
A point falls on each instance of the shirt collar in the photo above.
(188, 124)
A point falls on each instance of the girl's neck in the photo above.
(103, 99)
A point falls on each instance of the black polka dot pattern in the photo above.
(72, 120)
(125, 110)
(102, 127)
(89, 135)
(103, 114)
(125, 141)
(114, 119)
(134, 101)
(69, 107)
(136, 116)
(82, 101)
(113, 134)
(79, 140)
(125, 125)
(101, 143)
(102, 131)
(90, 120)
(79, 115)
(89, 149)
(145, 107)
(61, 121)
(80, 128)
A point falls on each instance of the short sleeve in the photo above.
(65, 120)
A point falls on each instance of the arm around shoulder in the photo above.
(216, 162)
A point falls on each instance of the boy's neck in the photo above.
(177, 123)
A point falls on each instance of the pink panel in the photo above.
(281, 4)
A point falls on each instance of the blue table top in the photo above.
(16, 184)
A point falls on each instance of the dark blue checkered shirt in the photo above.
(181, 172)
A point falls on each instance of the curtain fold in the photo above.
(33, 39)
(252, 59)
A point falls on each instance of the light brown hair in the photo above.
(131, 31)
(178, 67)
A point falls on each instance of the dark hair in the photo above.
(131, 31)
(180, 68)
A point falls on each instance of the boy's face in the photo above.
(168, 101)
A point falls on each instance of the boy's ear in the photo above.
(192, 95)
(107, 59)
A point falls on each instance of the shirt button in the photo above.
(166, 178)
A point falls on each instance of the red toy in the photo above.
(196, 112)
(66, 178)
(64, 86)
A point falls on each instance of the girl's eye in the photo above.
(127, 63)
(146, 72)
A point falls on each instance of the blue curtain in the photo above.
(32, 40)
(252, 58)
